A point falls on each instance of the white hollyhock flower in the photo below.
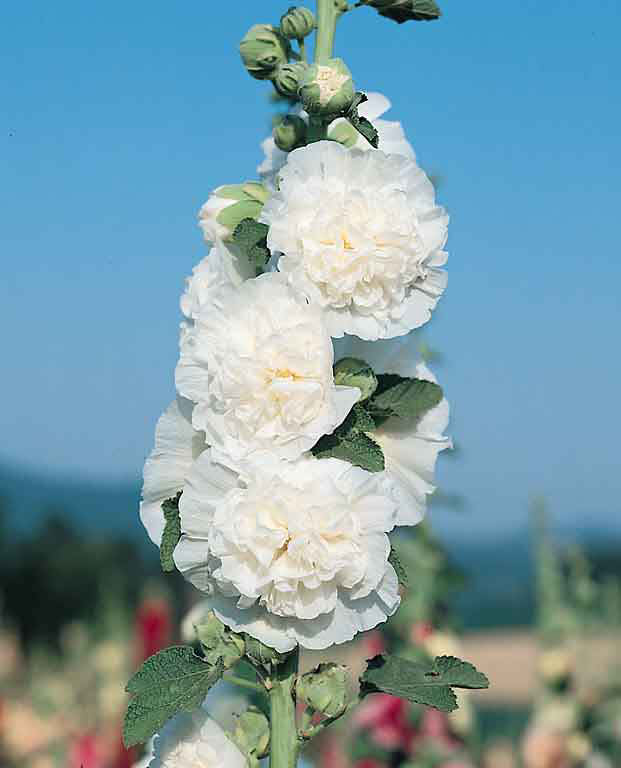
(218, 269)
(195, 741)
(361, 236)
(296, 552)
(177, 444)
(410, 450)
(392, 139)
(258, 366)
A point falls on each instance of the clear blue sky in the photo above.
(118, 118)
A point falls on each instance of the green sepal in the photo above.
(263, 655)
(428, 684)
(232, 215)
(173, 680)
(218, 642)
(353, 372)
(171, 533)
(249, 241)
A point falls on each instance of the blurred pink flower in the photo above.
(386, 718)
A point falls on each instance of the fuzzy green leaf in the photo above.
(173, 680)
(249, 242)
(402, 397)
(171, 534)
(406, 10)
(364, 127)
(428, 684)
(359, 450)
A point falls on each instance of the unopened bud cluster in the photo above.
(263, 50)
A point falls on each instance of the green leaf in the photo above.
(405, 398)
(249, 241)
(173, 680)
(405, 10)
(428, 684)
(352, 372)
(364, 127)
(400, 569)
(357, 448)
(171, 534)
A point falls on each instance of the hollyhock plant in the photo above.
(304, 430)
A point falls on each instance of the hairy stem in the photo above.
(284, 743)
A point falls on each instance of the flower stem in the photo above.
(243, 683)
(302, 47)
(327, 15)
(284, 743)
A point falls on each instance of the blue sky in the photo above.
(119, 118)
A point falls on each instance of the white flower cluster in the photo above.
(291, 548)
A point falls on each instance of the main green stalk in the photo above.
(327, 15)
(284, 745)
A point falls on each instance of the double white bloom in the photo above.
(295, 552)
(258, 366)
(290, 548)
(361, 236)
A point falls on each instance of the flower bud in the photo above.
(219, 642)
(252, 734)
(290, 133)
(262, 655)
(325, 689)
(327, 89)
(262, 50)
(227, 206)
(297, 23)
(351, 372)
(289, 77)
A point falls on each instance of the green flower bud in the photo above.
(262, 655)
(351, 372)
(219, 642)
(297, 23)
(290, 133)
(289, 77)
(327, 89)
(262, 50)
(252, 735)
(228, 205)
(325, 689)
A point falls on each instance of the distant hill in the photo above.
(26, 497)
